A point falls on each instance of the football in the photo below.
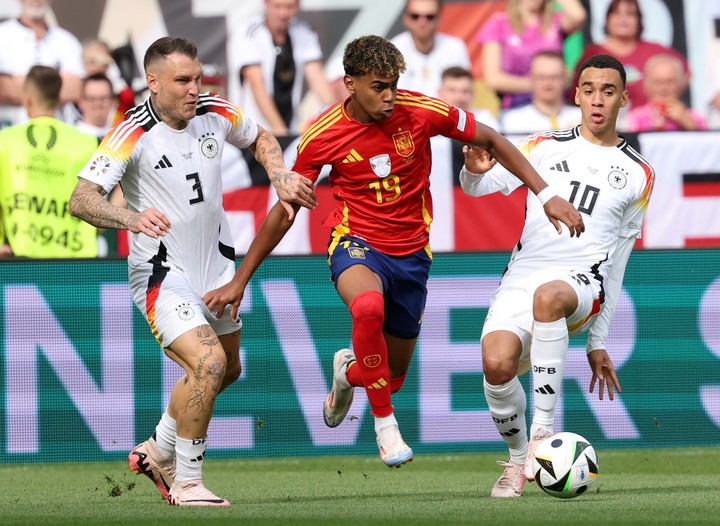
(565, 465)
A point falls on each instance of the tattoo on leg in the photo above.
(198, 369)
(203, 331)
(216, 371)
(196, 400)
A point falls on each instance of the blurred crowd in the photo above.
(530, 52)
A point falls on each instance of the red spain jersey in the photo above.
(380, 175)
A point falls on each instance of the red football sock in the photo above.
(353, 376)
(368, 315)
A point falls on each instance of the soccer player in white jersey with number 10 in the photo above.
(166, 154)
(556, 286)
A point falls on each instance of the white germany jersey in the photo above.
(178, 173)
(610, 187)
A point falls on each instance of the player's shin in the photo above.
(507, 403)
(547, 354)
(368, 316)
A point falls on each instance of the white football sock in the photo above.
(165, 433)
(383, 421)
(547, 354)
(507, 403)
(190, 456)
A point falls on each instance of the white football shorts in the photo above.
(511, 305)
(172, 307)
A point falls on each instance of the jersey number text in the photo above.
(588, 199)
(197, 187)
(389, 184)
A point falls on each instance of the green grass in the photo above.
(659, 487)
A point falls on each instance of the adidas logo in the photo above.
(561, 167)
(545, 389)
(164, 162)
(353, 157)
(511, 432)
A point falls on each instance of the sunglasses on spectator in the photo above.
(418, 16)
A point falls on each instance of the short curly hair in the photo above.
(372, 54)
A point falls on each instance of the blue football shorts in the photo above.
(404, 280)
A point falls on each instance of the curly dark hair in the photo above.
(372, 54)
(604, 62)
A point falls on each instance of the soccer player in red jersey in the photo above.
(378, 144)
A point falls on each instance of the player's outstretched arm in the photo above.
(89, 204)
(270, 233)
(600, 363)
(556, 208)
(290, 186)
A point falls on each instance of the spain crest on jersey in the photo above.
(404, 144)
(380, 165)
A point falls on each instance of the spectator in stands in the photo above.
(547, 109)
(457, 87)
(96, 105)
(511, 38)
(427, 52)
(29, 40)
(234, 168)
(277, 54)
(624, 27)
(96, 109)
(39, 163)
(96, 57)
(664, 81)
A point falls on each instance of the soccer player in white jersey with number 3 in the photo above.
(166, 154)
(556, 286)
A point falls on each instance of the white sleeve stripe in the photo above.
(119, 137)
(140, 117)
(219, 103)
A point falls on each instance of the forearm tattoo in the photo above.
(89, 204)
(269, 154)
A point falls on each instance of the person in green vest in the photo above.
(39, 163)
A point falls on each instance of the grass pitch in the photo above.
(635, 487)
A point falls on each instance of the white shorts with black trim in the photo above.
(171, 305)
(511, 306)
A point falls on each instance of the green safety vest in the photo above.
(39, 163)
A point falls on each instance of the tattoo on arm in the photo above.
(89, 204)
(269, 154)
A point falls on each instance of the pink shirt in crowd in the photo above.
(518, 50)
(651, 117)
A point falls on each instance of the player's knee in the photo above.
(368, 308)
(548, 304)
(498, 369)
(211, 371)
